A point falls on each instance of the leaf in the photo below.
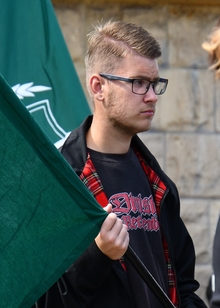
(26, 89)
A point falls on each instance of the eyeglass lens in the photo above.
(142, 86)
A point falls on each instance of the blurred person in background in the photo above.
(212, 46)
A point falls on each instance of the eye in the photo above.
(140, 83)
(156, 83)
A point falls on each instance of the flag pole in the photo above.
(148, 278)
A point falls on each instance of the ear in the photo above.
(96, 87)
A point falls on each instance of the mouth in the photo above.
(148, 112)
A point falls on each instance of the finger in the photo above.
(118, 227)
(120, 235)
(109, 222)
(114, 231)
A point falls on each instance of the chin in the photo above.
(142, 130)
(145, 127)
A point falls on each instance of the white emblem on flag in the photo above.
(28, 90)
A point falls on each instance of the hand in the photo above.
(113, 238)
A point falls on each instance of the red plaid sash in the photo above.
(91, 180)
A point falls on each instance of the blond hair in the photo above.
(108, 44)
(212, 46)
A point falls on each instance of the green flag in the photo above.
(47, 216)
(35, 62)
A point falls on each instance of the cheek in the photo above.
(120, 106)
(119, 109)
(115, 104)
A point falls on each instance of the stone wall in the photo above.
(185, 136)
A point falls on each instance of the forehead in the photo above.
(138, 66)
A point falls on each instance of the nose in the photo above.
(150, 96)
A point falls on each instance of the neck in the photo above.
(103, 138)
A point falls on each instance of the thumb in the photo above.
(108, 208)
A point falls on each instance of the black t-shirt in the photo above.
(128, 190)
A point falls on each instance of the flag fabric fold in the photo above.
(35, 61)
(47, 216)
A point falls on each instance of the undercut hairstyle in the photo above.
(212, 46)
(109, 44)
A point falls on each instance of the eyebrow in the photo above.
(144, 77)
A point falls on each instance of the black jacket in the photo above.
(96, 281)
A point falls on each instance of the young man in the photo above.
(143, 203)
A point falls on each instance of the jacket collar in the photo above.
(75, 150)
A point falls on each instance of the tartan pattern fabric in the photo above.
(159, 191)
(90, 178)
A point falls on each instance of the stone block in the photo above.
(134, 2)
(155, 143)
(188, 27)
(217, 104)
(193, 163)
(187, 105)
(93, 15)
(195, 214)
(71, 25)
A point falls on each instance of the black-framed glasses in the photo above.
(141, 86)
